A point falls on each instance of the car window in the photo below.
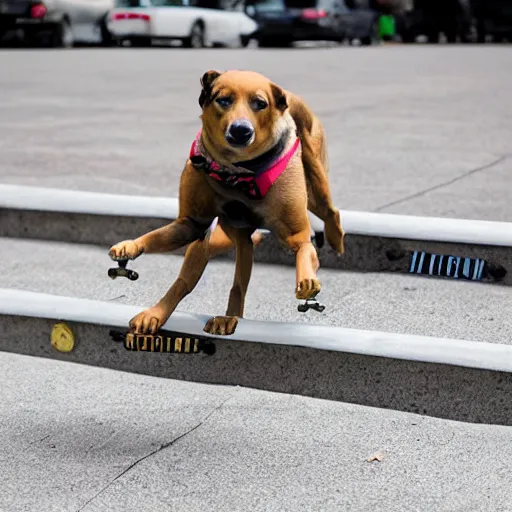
(206, 4)
(167, 3)
(280, 4)
(128, 3)
(301, 4)
(266, 5)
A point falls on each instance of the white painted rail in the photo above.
(20, 197)
(472, 354)
(409, 227)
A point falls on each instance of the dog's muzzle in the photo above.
(240, 133)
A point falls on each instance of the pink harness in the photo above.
(255, 186)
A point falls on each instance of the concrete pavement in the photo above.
(400, 120)
(94, 440)
(423, 130)
(382, 302)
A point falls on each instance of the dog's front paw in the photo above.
(126, 250)
(149, 321)
(308, 288)
(223, 325)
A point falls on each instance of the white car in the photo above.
(141, 21)
(60, 23)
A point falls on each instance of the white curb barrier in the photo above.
(445, 378)
(19, 197)
(375, 242)
(426, 349)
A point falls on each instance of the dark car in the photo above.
(55, 22)
(431, 18)
(492, 18)
(282, 22)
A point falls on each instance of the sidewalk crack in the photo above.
(443, 184)
(154, 452)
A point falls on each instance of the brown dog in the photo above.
(259, 161)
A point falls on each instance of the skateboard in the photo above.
(448, 266)
(168, 342)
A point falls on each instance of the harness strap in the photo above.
(255, 186)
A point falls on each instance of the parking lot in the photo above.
(419, 130)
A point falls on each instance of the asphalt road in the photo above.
(417, 130)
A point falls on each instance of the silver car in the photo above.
(57, 23)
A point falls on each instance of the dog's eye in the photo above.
(224, 102)
(258, 104)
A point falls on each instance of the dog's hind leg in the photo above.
(225, 325)
(314, 158)
(195, 260)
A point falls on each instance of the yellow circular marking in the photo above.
(62, 338)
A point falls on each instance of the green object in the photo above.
(386, 26)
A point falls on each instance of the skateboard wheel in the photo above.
(132, 275)
(209, 349)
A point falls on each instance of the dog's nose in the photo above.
(240, 132)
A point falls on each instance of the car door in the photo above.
(212, 15)
(76, 12)
(230, 25)
(79, 14)
(344, 19)
(171, 18)
(93, 12)
(338, 17)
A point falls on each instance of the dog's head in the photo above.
(244, 113)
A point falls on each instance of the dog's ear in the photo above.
(279, 97)
(209, 77)
(207, 83)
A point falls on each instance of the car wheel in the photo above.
(451, 35)
(481, 38)
(274, 42)
(140, 42)
(62, 36)
(433, 37)
(196, 37)
(244, 41)
(106, 36)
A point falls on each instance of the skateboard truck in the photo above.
(310, 304)
(122, 271)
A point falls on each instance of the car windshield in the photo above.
(149, 3)
(301, 4)
(128, 3)
(167, 3)
(279, 5)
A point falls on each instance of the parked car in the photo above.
(492, 18)
(141, 21)
(282, 22)
(55, 22)
(430, 18)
